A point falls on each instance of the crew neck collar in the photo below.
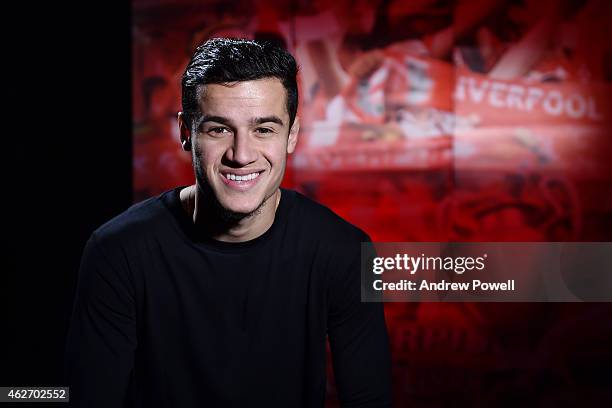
(172, 201)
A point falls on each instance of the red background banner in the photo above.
(430, 121)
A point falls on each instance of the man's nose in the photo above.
(242, 151)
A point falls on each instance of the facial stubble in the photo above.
(211, 202)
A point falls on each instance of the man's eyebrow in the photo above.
(218, 119)
(265, 119)
(254, 121)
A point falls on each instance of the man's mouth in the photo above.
(237, 177)
(241, 182)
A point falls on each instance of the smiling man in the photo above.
(222, 294)
(240, 135)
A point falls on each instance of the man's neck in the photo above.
(199, 209)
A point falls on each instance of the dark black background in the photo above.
(66, 167)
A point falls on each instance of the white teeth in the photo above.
(246, 177)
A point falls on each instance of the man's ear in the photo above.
(185, 132)
(293, 135)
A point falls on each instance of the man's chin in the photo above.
(233, 213)
(239, 207)
(233, 208)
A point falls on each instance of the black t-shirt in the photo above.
(166, 317)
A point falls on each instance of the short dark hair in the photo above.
(224, 60)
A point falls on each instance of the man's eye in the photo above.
(264, 130)
(218, 130)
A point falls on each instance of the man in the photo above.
(222, 294)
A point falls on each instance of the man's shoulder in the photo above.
(323, 222)
(139, 219)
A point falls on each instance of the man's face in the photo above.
(240, 147)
